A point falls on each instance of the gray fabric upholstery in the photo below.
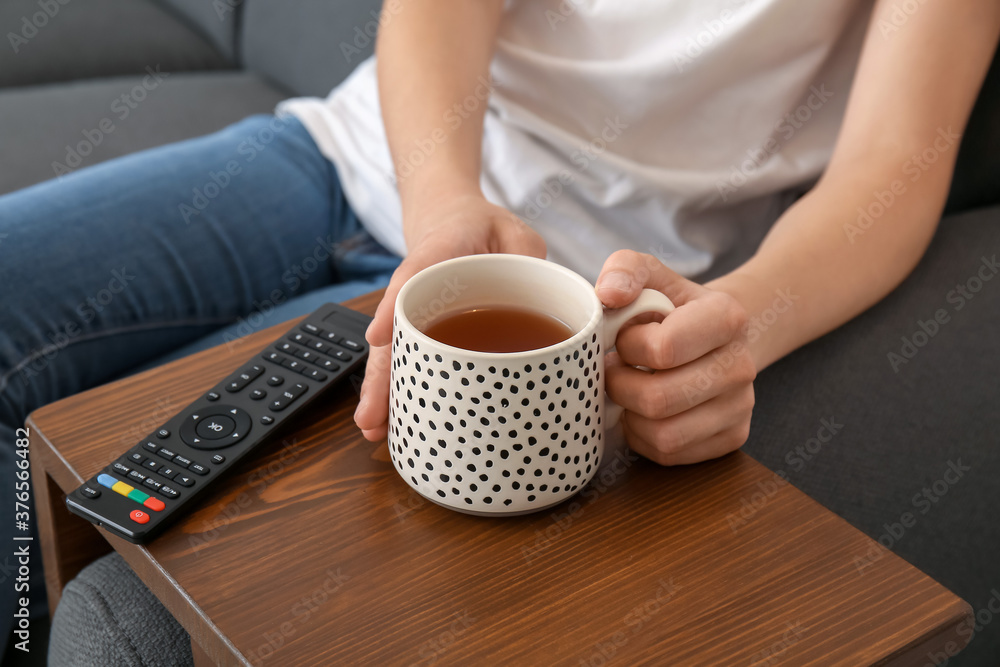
(40, 122)
(307, 46)
(108, 617)
(96, 38)
(901, 429)
(216, 19)
(977, 173)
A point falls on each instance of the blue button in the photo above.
(106, 480)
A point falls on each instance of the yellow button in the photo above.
(122, 488)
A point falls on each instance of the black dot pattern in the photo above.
(496, 436)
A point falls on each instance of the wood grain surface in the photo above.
(314, 552)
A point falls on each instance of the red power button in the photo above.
(139, 516)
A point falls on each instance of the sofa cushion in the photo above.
(215, 19)
(51, 128)
(59, 40)
(307, 46)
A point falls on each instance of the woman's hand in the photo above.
(695, 403)
(463, 225)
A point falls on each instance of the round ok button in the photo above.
(215, 427)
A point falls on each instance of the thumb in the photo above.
(627, 272)
(616, 288)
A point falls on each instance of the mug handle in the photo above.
(649, 301)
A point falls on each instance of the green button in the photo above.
(138, 496)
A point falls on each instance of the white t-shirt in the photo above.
(676, 127)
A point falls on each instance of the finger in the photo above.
(688, 333)
(667, 393)
(672, 436)
(627, 272)
(720, 444)
(372, 413)
(517, 237)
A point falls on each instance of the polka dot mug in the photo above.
(502, 433)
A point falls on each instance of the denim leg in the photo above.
(115, 265)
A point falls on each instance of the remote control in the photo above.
(151, 484)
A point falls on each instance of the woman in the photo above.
(675, 146)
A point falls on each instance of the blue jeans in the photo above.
(155, 255)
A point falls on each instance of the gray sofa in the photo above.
(85, 81)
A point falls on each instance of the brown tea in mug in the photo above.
(498, 329)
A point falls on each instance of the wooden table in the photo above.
(316, 553)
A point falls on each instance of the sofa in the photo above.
(84, 82)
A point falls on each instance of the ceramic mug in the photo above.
(502, 433)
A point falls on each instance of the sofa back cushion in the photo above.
(307, 46)
(216, 20)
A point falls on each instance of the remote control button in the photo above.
(243, 378)
(212, 396)
(267, 420)
(312, 328)
(305, 355)
(328, 364)
(152, 483)
(154, 504)
(90, 492)
(320, 346)
(138, 496)
(275, 380)
(151, 446)
(215, 427)
(169, 493)
(184, 480)
(137, 457)
(121, 468)
(257, 394)
(167, 472)
(287, 397)
(299, 338)
(351, 345)
(198, 469)
(122, 488)
(273, 357)
(218, 458)
(286, 347)
(340, 355)
(106, 480)
(315, 374)
(293, 364)
(331, 336)
(152, 465)
(235, 421)
(182, 461)
(138, 516)
(169, 455)
(163, 433)
(137, 476)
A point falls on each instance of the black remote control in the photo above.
(141, 492)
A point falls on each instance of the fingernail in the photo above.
(616, 280)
